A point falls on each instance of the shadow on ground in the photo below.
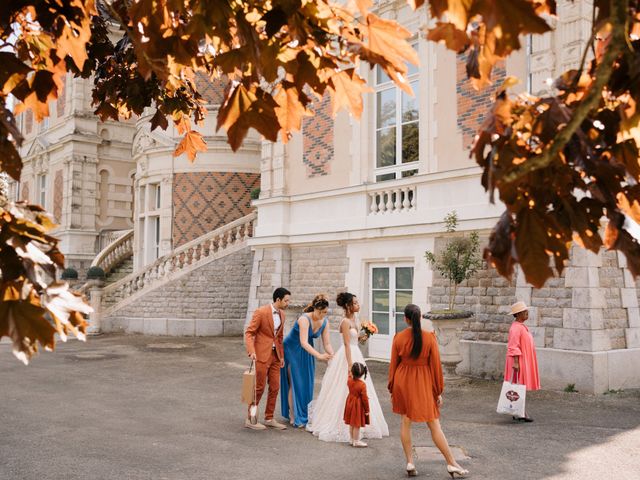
(135, 407)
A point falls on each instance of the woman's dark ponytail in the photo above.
(412, 312)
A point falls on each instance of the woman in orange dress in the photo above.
(416, 385)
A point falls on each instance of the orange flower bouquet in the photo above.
(367, 329)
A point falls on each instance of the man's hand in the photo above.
(282, 363)
(252, 356)
(439, 401)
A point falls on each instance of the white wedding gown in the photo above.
(327, 411)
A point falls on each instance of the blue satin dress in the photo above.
(300, 366)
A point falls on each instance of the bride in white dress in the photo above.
(326, 412)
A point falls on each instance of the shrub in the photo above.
(459, 260)
(95, 273)
(69, 274)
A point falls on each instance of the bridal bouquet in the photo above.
(368, 329)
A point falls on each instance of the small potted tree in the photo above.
(457, 262)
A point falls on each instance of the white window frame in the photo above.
(399, 167)
(41, 185)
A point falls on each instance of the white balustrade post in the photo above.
(405, 198)
(389, 200)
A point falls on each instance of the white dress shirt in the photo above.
(276, 320)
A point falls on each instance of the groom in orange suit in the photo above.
(263, 339)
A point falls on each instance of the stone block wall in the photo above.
(305, 271)
(210, 300)
(592, 306)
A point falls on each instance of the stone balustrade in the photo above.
(214, 244)
(115, 252)
(392, 200)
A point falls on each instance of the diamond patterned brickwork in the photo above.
(57, 196)
(473, 105)
(211, 90)
(204, 201)
(318, 140)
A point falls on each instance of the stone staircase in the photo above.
(201, 288)
(120, 271)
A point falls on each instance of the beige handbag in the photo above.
(249, 385)
(249, 392)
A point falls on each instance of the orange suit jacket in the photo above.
(260, 336)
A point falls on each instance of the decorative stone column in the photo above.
(95, 292)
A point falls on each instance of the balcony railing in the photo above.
(393, 200)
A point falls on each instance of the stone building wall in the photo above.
(591, 307)
(211, 300)
(305, 271)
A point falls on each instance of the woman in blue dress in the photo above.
(297, 377)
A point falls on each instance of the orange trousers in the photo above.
(269, 370)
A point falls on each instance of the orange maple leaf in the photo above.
(191, 144)
(347, 88)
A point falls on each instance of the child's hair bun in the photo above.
(358, 370)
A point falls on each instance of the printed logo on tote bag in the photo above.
(513, 396)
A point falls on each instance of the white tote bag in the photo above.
(512, 398)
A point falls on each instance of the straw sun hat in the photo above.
(518, 307)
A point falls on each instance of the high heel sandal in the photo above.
(453, 471)
(411, 470)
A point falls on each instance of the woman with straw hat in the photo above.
(521, 362)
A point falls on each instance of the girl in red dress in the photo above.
(356, 408)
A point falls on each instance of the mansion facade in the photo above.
(344, 205)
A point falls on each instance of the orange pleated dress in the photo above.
(356, 408)
(415, 383)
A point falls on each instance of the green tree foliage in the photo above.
(459, 260)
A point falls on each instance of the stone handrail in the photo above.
(209, 245)
(392, 200)
(113, 254)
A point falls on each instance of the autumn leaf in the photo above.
(531, 247)
(347, 88)
(630, 207)
(447, 33)
(159, 119)
(290, 110)
(610, 235)
(191, 143)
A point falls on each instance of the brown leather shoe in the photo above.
(275, 424)
(257, 426)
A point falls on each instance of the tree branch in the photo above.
(619, 11)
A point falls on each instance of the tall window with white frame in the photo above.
(397, 127)
(151, 218)
(42, 190)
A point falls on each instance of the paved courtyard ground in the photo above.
(137, 407)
